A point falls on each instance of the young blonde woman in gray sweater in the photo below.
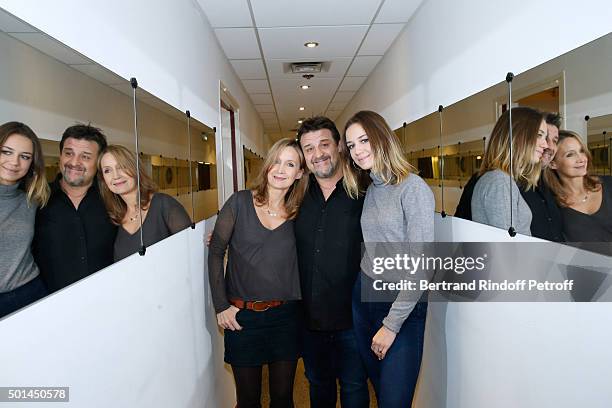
(398, 207)
(496, 195)
(23, 188)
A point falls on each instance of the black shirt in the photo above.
(596, 227)
(70, 244)
(464, 208)
(328, 239)
(546, 220)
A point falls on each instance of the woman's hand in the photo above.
(382, 341)
(227, 319)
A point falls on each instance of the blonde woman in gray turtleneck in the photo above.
(398, 207)
(22, 189)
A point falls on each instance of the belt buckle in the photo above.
(256, 309)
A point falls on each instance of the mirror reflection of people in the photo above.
(256, 298)
(23, 188)
(398, 207)
(491, 200)
(585, 200)
(161, 214)
(74, 236)
(546, 217)
(546, 222)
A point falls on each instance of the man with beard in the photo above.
(74, 236)
(328, 239)
(546, 221)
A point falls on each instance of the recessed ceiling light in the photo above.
(304, 86)
(302, 108)
(311, 44)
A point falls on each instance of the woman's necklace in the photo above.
(586, 197)
(271, 213)
(136, 215)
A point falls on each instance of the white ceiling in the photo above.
(261, 37)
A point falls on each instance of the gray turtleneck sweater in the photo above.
(398, 213)
(17, 265)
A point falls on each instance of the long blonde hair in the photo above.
(115, 206)
(553, 181)
(34, 183)
(525, 127)
(389, 161)
(295, 195)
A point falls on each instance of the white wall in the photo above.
(452, 49)
(140, 333)
(507, 355)
(168, 46)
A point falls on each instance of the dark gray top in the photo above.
(262, 263)
(165, 217)
(596, 227)
(17, 265)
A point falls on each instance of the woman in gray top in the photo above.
(23, 188)
(496, 200)
(161, 214)
(255, 297)
(398, 208)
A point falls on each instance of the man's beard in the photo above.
(76, 181)
(329, 171)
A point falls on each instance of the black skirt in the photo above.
(265, 337)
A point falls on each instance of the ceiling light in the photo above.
(478, 157)
(304, 86)
(302, 108)
(311, 44)
(300, 121)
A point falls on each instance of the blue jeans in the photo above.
(394, 378)
(22, 296)
(331, 355)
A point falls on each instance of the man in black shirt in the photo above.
(546, 216)
(74, 236)
(328, 239)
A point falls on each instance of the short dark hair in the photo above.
(85, 132)
(317, 123)
(553, 118)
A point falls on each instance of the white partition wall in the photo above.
(140, 333)
(528, 355)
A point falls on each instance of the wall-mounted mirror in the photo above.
(575, 84)
(252, 166)
(50, 87)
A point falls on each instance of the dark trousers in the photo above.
(22, 296)
(394, 378)
(331, 355)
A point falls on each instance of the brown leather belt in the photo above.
(256, 305)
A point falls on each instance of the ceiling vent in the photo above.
(306, 67)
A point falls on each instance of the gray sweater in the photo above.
(398, 213)
(17, 265)
(491, 203)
